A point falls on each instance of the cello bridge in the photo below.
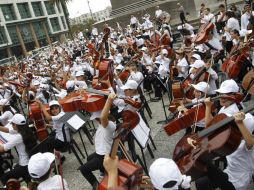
(191, 142)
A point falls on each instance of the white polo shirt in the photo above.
(17, 141)
(7, 115)
(58, 127)
(230, 110)
(104, 138)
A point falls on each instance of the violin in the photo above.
(248, 82)
(219, 138)
(130, 174)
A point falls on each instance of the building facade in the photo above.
(96, 16)
(29, 24)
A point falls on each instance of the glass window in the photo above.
(3, 38)
(55, 24)
(50, 7)
(58, 7)
(8, 12)
(26, 33)
(24, 10)
(13, 34)
(63, 21)
(39, 31)
(37, 9)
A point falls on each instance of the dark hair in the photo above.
(235, 31)
(230, 14)
(28, 137)
(221, 6)
(208, 9)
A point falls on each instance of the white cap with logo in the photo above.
(130, 84)
(39, 164)
(228, 86)
(198, 64)
(18, 119)
(164, 170)
(201, 86)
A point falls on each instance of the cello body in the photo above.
(202, 35)
(39, 121)
(191, 157)
(129, 176)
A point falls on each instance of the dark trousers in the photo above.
(94, 162)
(214, 178)
(53, 143)
(17, 172)
(182, 17)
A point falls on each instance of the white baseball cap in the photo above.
(70, 84)
(196, 56)
(95, 115)
(228, 86)
(119, 67)
(79, 73)
(4, 102)
(201, 86)
(164, 170)
(164, 51)
(198, 64)
(143, 48)
(36, 82)
(39, 164)
(53, 102)
(18, 119)
(130, 84)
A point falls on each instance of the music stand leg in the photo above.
(165, 113)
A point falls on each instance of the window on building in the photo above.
(3, 38)
(39, 31)
(58, 7)
(50, 7)
(55, 24)
(37, 9)
(8, 12)
(24, 10)
(13, 34)
(26, 33)
(63, 21)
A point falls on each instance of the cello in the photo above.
(220, 138)
(129, 173)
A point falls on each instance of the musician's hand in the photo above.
(110, 164)
(23, 188)
(146, 183)
(208, 102)
(182, 109)
(112, 96)
(239, 117)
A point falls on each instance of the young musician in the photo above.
(182, 64)
(58, 141)
(7, 111)
(240, 164)
(103, 142)
(23, 140)
(40, 168)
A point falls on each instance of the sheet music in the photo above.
(141, 132)
(76, 122)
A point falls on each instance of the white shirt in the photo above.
(120, 103)
(230, 110)
(17, 141)
(184, 66)
(244, 21)
(104, 138)
(53, 183)
(232, 24)
(212, 81)
(158, 13)
(58, 127)
(138, 76)
(200, 123)
(134, 20)
(7, 115)
(207, 18)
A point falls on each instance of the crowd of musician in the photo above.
(109, 76)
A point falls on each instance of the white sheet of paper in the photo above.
(141, 132)
(76, 122)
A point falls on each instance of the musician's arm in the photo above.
(45, 113)
(110, 166)
(105, 110)
(4, 129)
(247, 136)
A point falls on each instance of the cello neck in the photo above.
(224, 122)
